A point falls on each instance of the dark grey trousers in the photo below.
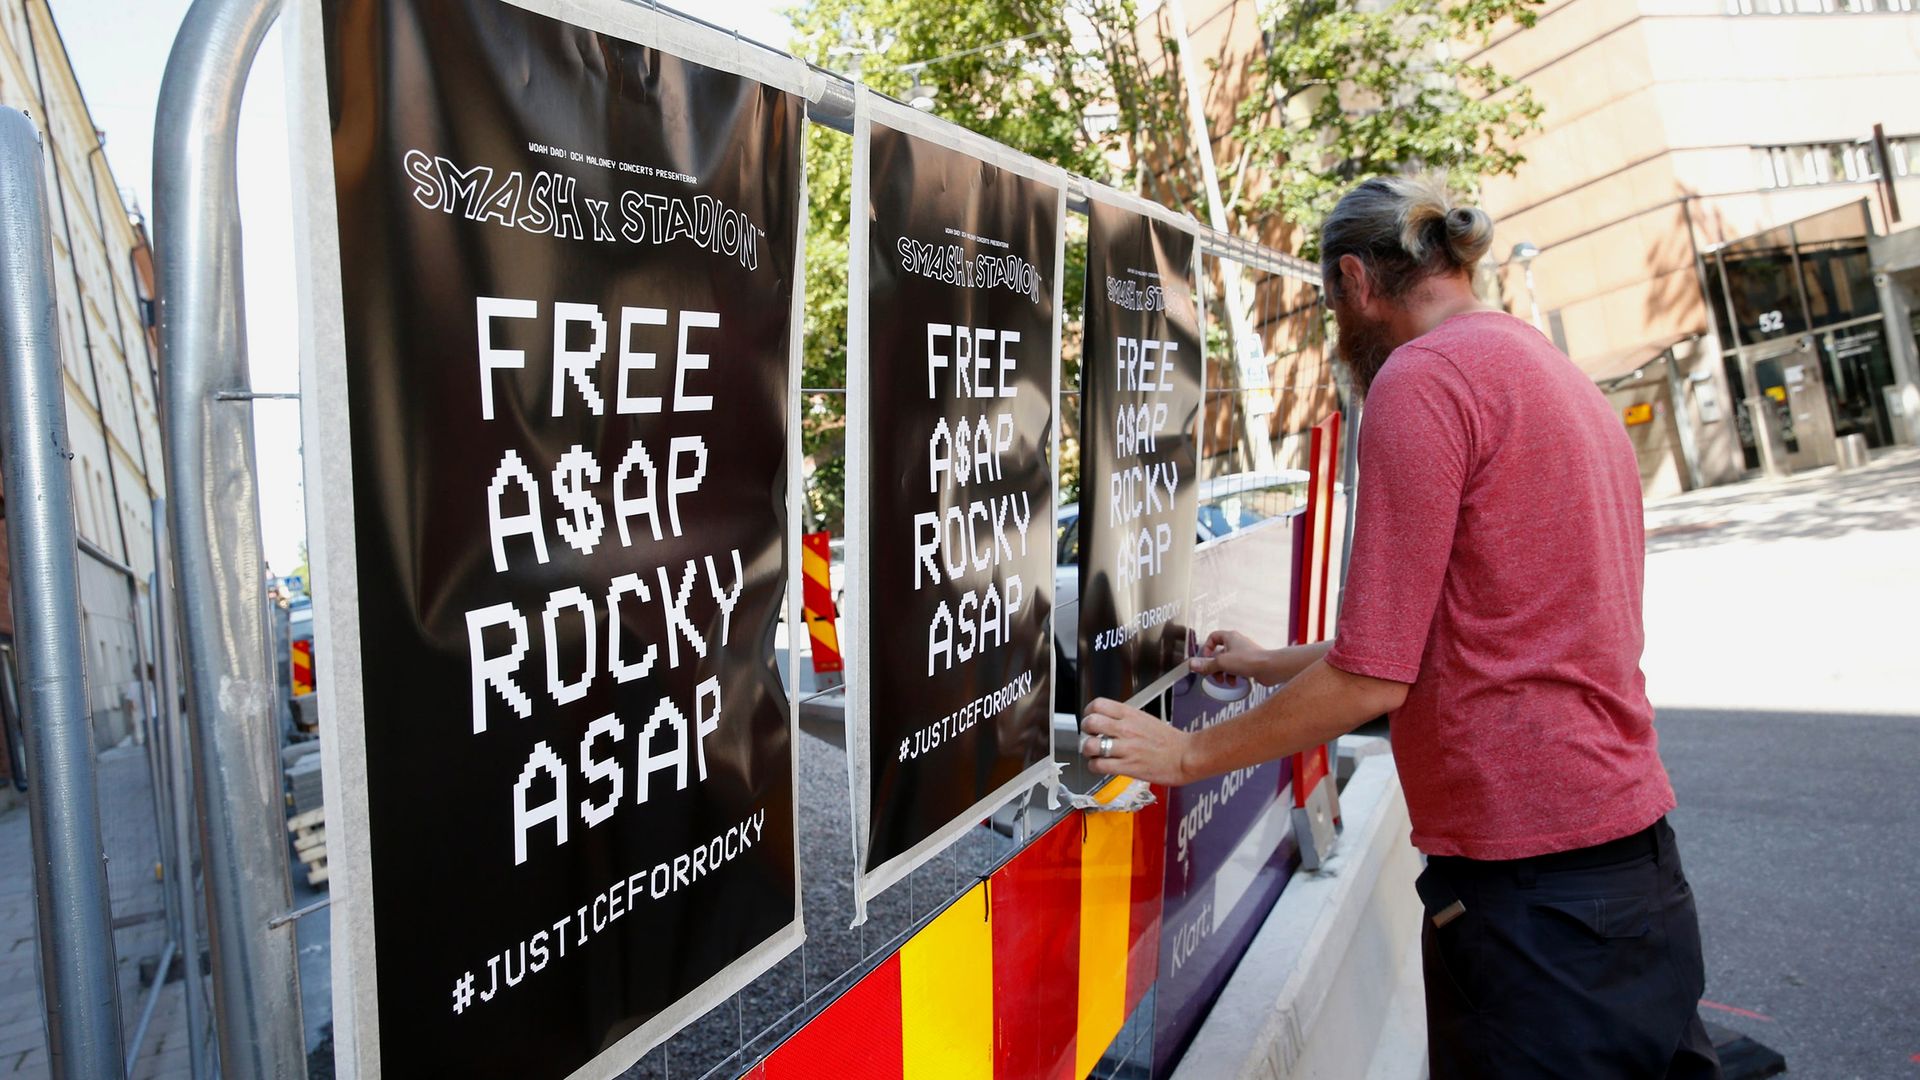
(1579, 964)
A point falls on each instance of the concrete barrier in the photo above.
(1330, 988)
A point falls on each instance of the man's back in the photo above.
(1497, 567)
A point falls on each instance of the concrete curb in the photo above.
(1330, 987)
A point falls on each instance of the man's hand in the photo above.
(1144, 747)
(1230, 652)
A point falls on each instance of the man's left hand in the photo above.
(1143, 747)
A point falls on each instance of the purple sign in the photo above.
(1229, 847)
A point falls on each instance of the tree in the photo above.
(1012, 70)
(1090, 86)
(1350, 90)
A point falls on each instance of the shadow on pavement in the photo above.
(1885, 496)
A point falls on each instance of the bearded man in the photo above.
(1493, 608)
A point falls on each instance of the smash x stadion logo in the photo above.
(551, 204)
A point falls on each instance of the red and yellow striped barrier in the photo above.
(1029, 975)
(303, 667)
(816, 597)
(1323, 467)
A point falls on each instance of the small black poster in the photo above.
(1140, 382)
(567, 271)
(961, 270)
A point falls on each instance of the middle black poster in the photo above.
(952, 371)
(1140, 383)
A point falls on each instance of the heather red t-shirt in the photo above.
(1496, 567)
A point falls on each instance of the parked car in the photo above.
(1227, 505)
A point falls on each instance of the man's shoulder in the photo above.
(1416, 369)
(1474, 335)
(1469, 349)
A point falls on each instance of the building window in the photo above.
(1818, 7)
(1850, 162)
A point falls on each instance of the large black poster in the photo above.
(961, 265)
(567, 273)
(1140, 383)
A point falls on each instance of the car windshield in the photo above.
(1228, 515)
(1068, 541)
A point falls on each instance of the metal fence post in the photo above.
(78, 976)
(180, 806)
(216, 527)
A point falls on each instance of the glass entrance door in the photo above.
(1858, 370)
(1787, 378)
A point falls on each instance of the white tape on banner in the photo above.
(654, 27)
(905, 118)
(859, 615)
(1126, 200)
(330, 548)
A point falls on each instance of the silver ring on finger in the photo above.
(1106, 746)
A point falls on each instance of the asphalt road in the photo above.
(1785, 661)
(1797, 831)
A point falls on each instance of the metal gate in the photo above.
(1033, 910)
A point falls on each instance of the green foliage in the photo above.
(1035, 95)
(824, 363)
(1345, 91)
(1355, 90)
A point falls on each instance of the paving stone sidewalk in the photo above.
(140, 927)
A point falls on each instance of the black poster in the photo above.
(962, 266)
(1140, 383)
(567, 272)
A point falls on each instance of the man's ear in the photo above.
(1354, 283)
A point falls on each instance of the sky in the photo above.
(119, 52)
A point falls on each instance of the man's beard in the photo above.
(1364, 349)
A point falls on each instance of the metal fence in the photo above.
(1285, 317)
(1269, 380)
(112, 861)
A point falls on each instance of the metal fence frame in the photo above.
(229, 673)
(79, 978)
(74, 900)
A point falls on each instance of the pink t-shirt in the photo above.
(1496, 567)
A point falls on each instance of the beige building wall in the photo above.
(1654, 111)
(111, 381)
(1225, 41)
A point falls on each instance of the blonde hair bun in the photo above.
(1469, 234)
(1430, 224)
(1404, 228)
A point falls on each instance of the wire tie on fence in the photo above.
(986, 896)
(256, 395)
(279, 921)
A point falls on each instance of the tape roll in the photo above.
(1226, 687)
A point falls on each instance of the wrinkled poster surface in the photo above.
(567, 269)
(961, 267)
(1140, 389)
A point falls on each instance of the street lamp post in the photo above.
(1524, 253)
